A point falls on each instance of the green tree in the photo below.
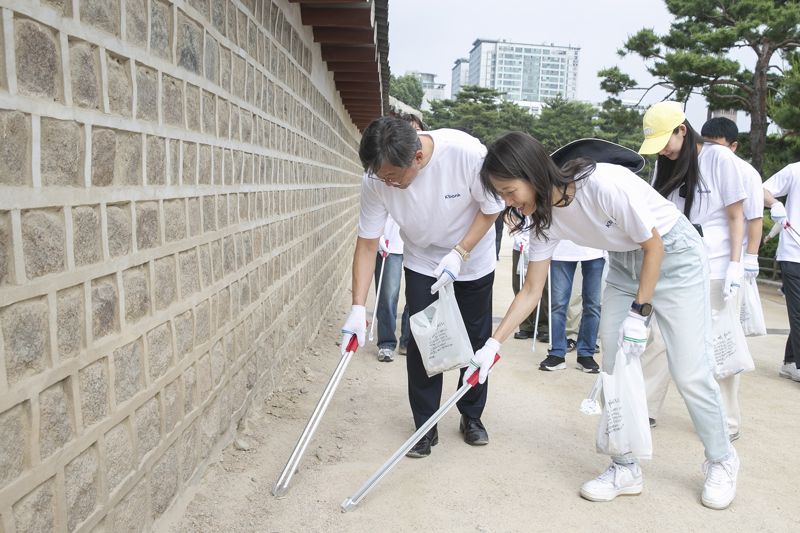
(693, 55)
(408, 89)
(563, 121)
(479, 111)
(784, 108)
(618, 123)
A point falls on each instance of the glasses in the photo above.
(389, 181)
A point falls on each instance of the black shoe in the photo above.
(523, 334)
(571, 345)
(652, 422)
(423, 446)
(552, 363)
(588, 365)
(473, 430)
(543, 337)
(596, 348)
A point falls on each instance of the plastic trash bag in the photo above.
(751, 314)
(731, 354)
(441, 335)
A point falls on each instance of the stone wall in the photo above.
(178, 186)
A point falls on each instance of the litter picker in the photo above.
(378, 294)
(282, 485)
(350, 503)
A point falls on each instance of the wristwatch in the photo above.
(462, 252)
(644, 309)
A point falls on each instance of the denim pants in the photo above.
(387, 302)
(682, 306)
(562, 273)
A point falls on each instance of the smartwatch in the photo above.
(644, 309)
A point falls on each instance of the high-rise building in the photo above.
(524, 72)
(460, 76)
(433, 90)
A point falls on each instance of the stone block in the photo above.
(128, 159)
(15, 442)
(236, 134)
(136, 22)
(15, 148)
(209, 213)
(209, 113)
(224, 306)
(159, 350)
(224, 120)
(120, 87)
(173, 154)
(201, 6)
(205, 266)
(156, 161)
(102, 14)
(211, 59)
(218, 15)
(202, 321)
(195, 217)
(148, 426)
(26, 338)
(132, 513)
(225, 68)
(189, 171)
(38, 60)
(86, 234)
(190, 273)
(175, 219)
(189, 389)
(43, 242)
(146, 93)
(172, 101)
(105, 305)
(193, 114)
(94, 392)
(160, 29)
(81, 482)
(190, 44)
(119, 229)
(184, 332)
(229, 253)
(104, 148)
(204, 377)
(165, 282)
(188, 453)
(84, 66)
(164, 481)
(62, 7)
(70, 322)
(148, 231)
(129, 370)
(216, 260)
(204, 165)
(35, 512)
(136, 287)
(119, 454)
(56, 417)
(61, 153)
(217, 363)
(172, 405)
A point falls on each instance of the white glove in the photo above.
(750, 266)
(633, 334)
(776, 228)
(482, 360)
(356, 324)
(733, 279)
(447, 271)
(777, 212)
(383, 246)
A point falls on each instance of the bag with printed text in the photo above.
(751, 315)
(731, 354)
(441, 335)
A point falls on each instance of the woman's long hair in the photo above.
(517, 155)
(683, 173)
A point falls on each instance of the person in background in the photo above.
(392, 254)
(528, 326)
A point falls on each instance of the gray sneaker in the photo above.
(385, 355)
(789, 371)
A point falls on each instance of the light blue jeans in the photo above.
(682, 306)
(563, 272)
(387, 303)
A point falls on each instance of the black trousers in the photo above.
(475, 302)
(790, 272)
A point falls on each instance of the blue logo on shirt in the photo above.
(448, 196)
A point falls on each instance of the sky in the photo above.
(429, 35)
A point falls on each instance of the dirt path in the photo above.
(526, 479)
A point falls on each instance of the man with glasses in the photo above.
(428, 182)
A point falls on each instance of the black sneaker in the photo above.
(571, 345)
(652, 422)
(588, 365)
(552, 363)
(543, 336)
(423, 446)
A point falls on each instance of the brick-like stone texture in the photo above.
(132, 513)
(85, 73)
(36, 510)
(128, 159)
(193, 114)
(156, 161)
(148, 232)
(70, 322)
(172, 101)
(62, 153)
(105, 307)
(120, 87)
(119, 454)
(166, 285)
(136, 286)
(56, 418)
(38, 60)
(129, 370)
(190, 273)
(148, 426)
(43, 242)
(175, 219)
(26, 338)
(119, 229)
(102, 14)
(146, 93)
(15, 442)
(94, 392)
(159, 350)
(81, 480)
(15, 156)
(136, 22)
(160, 28)
(190, 44)
(172, 405)
(87, 242)
(164, 481)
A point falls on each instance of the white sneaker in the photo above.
(385, 355)
(616, 480)
(790, 371)
(720, 486)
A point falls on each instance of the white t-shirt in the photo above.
(723, 185)
(786, 182)
(391, 231)
(613, 209)
(436, 210)
(754, 204)
(569, 251)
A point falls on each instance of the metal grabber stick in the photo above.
(549, 307)
(378, 294)
(282, 485)
(350, 503)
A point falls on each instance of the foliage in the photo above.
(408, 89)
(563, 121)
(780, 151)
(784, 108)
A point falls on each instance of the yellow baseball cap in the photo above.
(659, 121)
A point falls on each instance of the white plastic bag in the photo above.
(751, 315)
(441, 335)
(591, 405)
(731, 354)
(624, 428)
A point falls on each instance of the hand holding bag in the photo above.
(751, 314)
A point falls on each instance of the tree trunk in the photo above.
(758, 114)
